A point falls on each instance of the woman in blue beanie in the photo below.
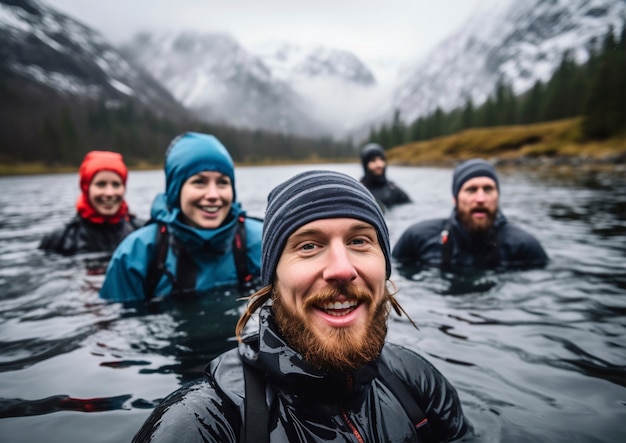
(199, 239)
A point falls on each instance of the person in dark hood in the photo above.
(476, 235)
(102, 217)
(375, 180)
(318, 367)
(200, 238)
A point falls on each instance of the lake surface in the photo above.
(537, 356)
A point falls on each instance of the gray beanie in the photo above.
(316, 195)
(476, 167)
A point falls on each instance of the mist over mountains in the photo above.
(310, 91)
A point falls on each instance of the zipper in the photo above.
(345, 416)
(351, 425)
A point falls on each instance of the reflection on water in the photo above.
(536, 355)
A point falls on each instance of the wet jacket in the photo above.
(504, 246)
(304, 404)
(385, 191)
(210, 250)
(81, 235)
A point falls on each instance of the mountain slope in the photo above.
(520, 42)
(211, 74)
(46, 48)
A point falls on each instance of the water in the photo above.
(535, 355)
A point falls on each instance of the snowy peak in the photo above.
(306, 91)
(215, 77)
(199, 69)
(54, 50)
(290, 62)
(519, 42)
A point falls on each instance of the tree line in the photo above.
(40, 125)
(595, 90)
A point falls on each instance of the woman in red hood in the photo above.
(102, 219)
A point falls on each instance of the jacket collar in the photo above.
(211, 241)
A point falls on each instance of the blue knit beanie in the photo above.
(189, 154)
(316, 195)
(469, 169)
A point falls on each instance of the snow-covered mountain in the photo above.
(46, 48)
(294, 89)
(215, 77)
(518, 41)
(338, 87)
(286, 88)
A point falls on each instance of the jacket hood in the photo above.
(189, 154)
(369, 152)
(216, 241)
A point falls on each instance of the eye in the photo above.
(223, 181)
(308, 246)
(198, 180)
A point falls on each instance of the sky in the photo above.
(394, 31)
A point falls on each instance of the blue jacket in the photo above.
(210, 248)
(505, 246)
(306, 404)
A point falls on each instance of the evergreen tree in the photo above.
(531, 105)
(605, 107)
(397, 131)
(467, 119)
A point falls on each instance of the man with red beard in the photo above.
(476, 235)
(317, 367)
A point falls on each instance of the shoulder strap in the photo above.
(410, 406)
(240, 252)
(156, 266)
(255, 427)
(446, 244)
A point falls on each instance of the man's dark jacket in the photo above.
(386, 192)
(505, 246)
(304, 404)
(81, 236)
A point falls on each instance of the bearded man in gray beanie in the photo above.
(476, 235)
(317, 368)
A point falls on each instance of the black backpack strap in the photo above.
(240, 252)
(255, 426)
(445, 239)
(410, 406)
(184, 282)
(156, 266)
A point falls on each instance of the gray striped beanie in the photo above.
(476, 167)
(316, 195)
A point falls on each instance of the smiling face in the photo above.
(330, 293)
(206, 199)
(477, 204)
(106, 193)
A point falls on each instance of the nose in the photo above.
(109, 190)
(480, 195)
(339, 267)
(210, 193)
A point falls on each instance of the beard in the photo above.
(483, 226)
(341, 349)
